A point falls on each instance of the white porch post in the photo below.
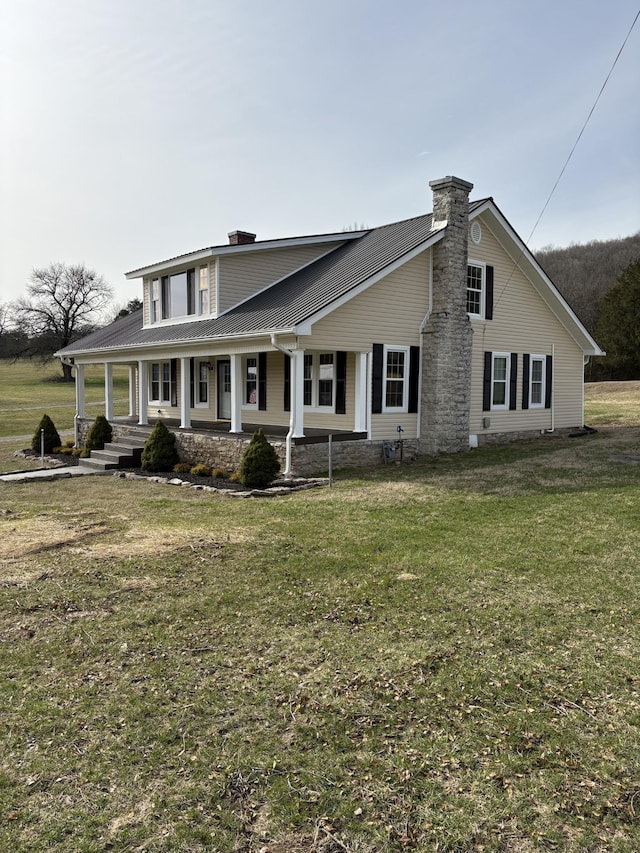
(132, 390)
(360, 421)
(79, 402)
(185, 409)
(297, 392)
(108, 391)
(143, 393)
(236, 393)
(80, 390)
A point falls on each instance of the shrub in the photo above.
(260, 463)
(76, 451)
(219, 474)
(99, 434)
(182, 468)
(201, 471)
(235, 477)
(159, 453)
(69, 443)
(65, 450)
(51, 436)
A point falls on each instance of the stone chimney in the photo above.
(446, 331)
(241, 238)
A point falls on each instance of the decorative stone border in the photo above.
(284, 487)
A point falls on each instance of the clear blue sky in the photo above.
(135, 130)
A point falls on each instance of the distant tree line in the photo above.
(599, 281)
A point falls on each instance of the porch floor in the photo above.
(312, 436)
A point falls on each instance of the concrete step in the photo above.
(125, 448)
(97, 464)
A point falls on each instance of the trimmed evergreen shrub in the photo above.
(260, 463)
(99, 434)
(51, 436)
(159, 453)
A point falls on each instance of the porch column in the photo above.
(143, 393)
(297, 392)
(80, 390)
(108, 391)
(132, 390)
(185, 408)
(360, 421)
(236, 393)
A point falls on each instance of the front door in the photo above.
(224, 390)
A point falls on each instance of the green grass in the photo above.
(28, 389)
(434, 657)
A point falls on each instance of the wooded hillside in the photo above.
(585, 272)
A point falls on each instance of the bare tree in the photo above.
(64, 302)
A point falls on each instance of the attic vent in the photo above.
(476, 231)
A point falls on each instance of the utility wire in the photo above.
(575, 145)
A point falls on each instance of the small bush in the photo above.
(51, 436)
(159, 453)
(219, 474)
(76, 451)
(201, 471)
(235, 477)
(69, 443)
(182, 468)
(63, 451)
(260, 463)
(99, 434)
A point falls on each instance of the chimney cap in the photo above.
(240, 238)
(450, 181)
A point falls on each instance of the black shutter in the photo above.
(513, 381)
(287, 383)
(174, 381)
(526, 360)
(341, 383)
(377, 369)
(192, 381)
(549, 381)
(488, 293)
(414, 378)
(486, 382)
(262, 381)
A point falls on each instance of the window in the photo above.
(396, 374)
(536, 382)
(499, 381)
(475, 290)
(319, 379)
(202, 394)
(160, 382)
(203, 293)
(251, 381)
(155, 300)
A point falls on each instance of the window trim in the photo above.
(542, 360)
(161, 382)
(196, 297)
(499, 407)
(314, 379)
(482, 291)
(245, 381)
(406, 350)
(198, 403)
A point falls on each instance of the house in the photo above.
(441, 331)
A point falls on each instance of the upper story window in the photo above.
(475, 290)
(479, 290)
(181, 294)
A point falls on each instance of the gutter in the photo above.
(289, 437)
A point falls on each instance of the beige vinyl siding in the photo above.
(242, 275)
(522, 323)
(146, 301)
(389, 312)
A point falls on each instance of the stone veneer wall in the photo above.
(447, 333)
(223, 451)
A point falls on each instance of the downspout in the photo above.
(288, 440)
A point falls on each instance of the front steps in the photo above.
(125, 453)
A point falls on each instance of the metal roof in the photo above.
(285, 304)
